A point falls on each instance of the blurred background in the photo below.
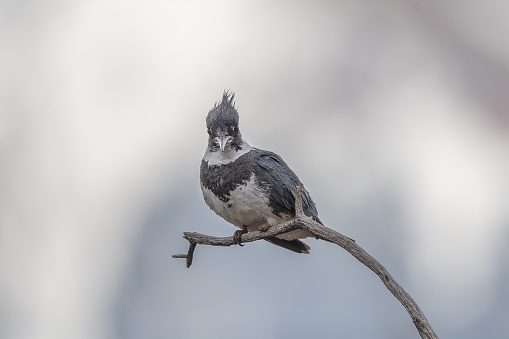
(394, 114)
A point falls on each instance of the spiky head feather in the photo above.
(223, 119)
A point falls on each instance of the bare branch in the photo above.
(324, 233)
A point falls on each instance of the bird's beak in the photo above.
(223, 141)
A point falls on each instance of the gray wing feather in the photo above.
(271, 170)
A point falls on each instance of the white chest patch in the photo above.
(248, 205)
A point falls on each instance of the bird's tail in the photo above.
(292, 245)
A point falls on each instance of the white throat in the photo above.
(227, 156)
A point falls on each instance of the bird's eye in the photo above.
(214, 144)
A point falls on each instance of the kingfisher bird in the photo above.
(248, 187)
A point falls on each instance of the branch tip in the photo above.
(190, 253)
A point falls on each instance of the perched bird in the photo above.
(250, 188)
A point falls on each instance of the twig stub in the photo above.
(299, 210)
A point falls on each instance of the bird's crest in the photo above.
(223, 116)
(227, 100)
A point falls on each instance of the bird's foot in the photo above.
(263, 228)
(238, 234)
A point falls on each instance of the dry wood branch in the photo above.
(324, 233)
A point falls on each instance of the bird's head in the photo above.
(223, 126)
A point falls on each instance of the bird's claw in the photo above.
(263, 228)
(237, 235)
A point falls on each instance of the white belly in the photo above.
(247, 205)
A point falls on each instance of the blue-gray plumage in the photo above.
(249, 187)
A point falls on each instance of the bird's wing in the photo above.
(272, 172)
